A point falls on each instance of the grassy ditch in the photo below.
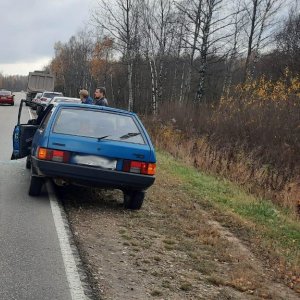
(273, 228)
(175, 244)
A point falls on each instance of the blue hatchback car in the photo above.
(87, 145)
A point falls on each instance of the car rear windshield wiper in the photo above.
(129, 135)
(102, 137)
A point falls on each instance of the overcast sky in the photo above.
(29, 29)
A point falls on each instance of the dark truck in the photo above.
(38, 82)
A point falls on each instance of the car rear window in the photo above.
(98, 124)
(5, 93)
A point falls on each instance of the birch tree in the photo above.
(238, 21)
(260, 15)
(158, 17)
(207, 20)
(120, 20)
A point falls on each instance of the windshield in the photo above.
(98, 124)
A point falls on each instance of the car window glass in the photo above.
(98, 124)
(5, 93)
(45, 121)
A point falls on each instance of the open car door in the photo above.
(23, 135)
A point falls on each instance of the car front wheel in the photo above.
(36, 184)
(134, 199)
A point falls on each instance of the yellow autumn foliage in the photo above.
(263, 89)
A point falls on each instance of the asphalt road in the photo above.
(31, 263)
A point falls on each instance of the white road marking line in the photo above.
(73, 277)
(30, 113)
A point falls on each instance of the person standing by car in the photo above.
(85, 98)
(100, 94)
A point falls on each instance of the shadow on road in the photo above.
(90, 198)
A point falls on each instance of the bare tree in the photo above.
(71, 63)
(120, 18)
(288, 41)
(238, 20)
(158, 28)
(260, 14)
(206, 34)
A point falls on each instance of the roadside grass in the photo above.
(176, 244)
(276, 229)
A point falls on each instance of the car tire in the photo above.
(28, 162)
(134, 199)
(13, 104)
(35, 187)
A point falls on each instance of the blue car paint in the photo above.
(16, 143)
(108, 148)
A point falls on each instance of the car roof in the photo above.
(95, 107)
(65, 98)
(5, 91)
(58, 93)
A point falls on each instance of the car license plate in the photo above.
(93, 160)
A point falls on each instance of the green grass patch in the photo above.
(277, 227)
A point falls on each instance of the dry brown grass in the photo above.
(173, 245)
(269, 168)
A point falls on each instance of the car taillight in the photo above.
(54, 155)
(139, 167)
(43, 99)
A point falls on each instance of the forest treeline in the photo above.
(149, 52)
(13, 83)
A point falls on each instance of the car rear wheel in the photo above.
(13, 104)
(134, 199)
(36, 184)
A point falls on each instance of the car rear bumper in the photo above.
(6, 101)
(92, 176)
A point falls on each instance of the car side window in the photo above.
(45, 121)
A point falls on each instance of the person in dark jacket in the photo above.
(100, 94)
(85, 98)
